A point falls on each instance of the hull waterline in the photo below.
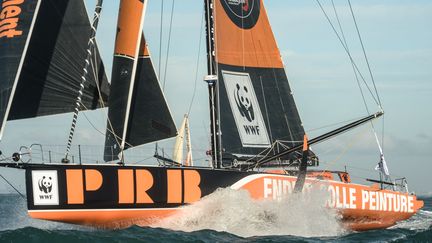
(110, 196)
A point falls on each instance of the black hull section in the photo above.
(129, 187)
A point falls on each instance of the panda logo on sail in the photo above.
(244, 104)
(45, 187)
(245, 109)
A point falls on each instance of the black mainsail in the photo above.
(41, 59)
(256, 105)
(138, 113)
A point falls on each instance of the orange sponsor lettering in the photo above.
(9, 18)
(134, 189)
(93, 180)
(186, 191)
(192, 191)
(75, 184)
(144, 181)
(75, 189)
(126, 186)
(174, 181)
(341, 196)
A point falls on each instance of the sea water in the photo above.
(225, 215)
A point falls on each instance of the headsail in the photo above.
(256, 104)
(43, 45)
(183, 131)
(138, 112)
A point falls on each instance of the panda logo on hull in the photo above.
(45, 184)
(45, 187)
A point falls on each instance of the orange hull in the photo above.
(361, 207)
(107, 218)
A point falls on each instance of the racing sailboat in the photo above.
(254, 119)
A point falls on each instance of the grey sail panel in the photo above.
(51, 73)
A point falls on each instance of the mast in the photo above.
(212, 80)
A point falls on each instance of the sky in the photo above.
(397, 39)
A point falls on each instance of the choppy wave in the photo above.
(215, 219)
(425, 195)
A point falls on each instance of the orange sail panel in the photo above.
(129, 27)
(244, 36)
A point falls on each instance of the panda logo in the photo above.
(244, 104)
(45, 184)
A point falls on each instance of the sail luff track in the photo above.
(213, 86)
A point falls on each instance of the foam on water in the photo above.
(421, 221)
(233, 211)
(13, 210)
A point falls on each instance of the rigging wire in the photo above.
(348, 53)
(355, 69)
(91, 123)
(160, 38)
(101, 103)
(10, 184)
(374, 85)
(111, 130)
(91, 43)
(364, 52)
(169, 45)
(197, 64)
(370, 71)
(347, 48)
(358, 81)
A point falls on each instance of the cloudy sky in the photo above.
(398, 40)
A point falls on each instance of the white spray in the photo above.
(234, 211)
